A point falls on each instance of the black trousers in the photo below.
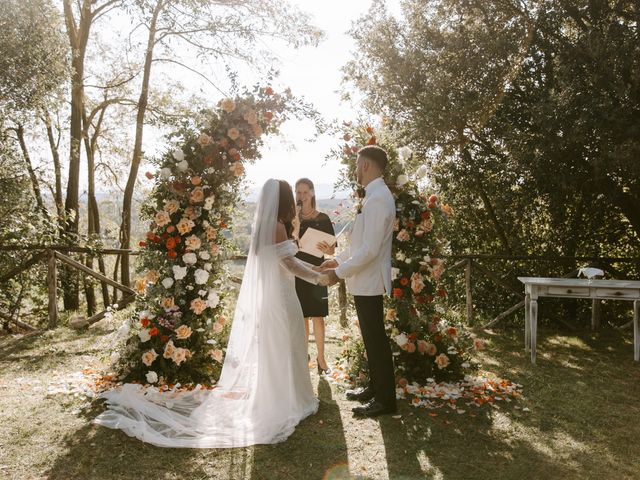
(370, 312)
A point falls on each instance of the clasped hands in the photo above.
(329, 276)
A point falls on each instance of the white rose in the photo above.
(208, 203)
(178, 154)
(404, 153)
(152, 377)
(145, 314)
(401, 180)
(401, 339)
(213, 299)
(208, 266)
(422, 171)
(201, 276)
(205, 255)
(167, 282)
(189, 258)
(182, 166)
(165, 172)
(179, 272)
(144, 335)
(394, 273)
(400, 256)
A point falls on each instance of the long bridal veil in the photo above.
(264, 389)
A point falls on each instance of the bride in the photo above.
(264, 389)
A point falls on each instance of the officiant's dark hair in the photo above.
(308, 183)
(376, 155)
(286, 207)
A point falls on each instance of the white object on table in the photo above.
(590, 272)
(535, 287)
(309, 241)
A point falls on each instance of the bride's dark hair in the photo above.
(286, 207)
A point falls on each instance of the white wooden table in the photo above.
(535, 287)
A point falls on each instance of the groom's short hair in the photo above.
(375, 154)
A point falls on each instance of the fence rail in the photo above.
(468, 262)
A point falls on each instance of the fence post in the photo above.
(342, 301)
(467, 283)
(596, 311)
(52, 288)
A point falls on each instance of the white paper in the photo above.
(311, 238)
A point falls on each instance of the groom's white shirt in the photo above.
(365, 263)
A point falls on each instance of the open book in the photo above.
(311, 238)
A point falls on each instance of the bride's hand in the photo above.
(327, 264)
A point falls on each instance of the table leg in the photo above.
(527, 323)
(636, 330)
(534, 327)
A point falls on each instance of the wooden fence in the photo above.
(470, 264)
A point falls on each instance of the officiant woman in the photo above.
(314, 299)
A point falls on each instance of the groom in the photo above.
(366, 266)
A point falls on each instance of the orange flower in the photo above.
(170, 243)
(453, 331)
(372, 141)
(197, 195)
(198, 305)
(149, 175)
(268, 91)
(267, 116)
(167, 302)
(154, 331)
(172, 254)
(144, 322)
(369, 130)
(397, 292)
(404, 281)
(142, 244)
(195, 180)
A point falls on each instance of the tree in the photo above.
(527, 113)
(217, 30)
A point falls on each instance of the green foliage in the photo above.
(33, 63)
(527, 116)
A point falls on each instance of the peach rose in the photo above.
(180, 355)
(141, 285)
(204, 140)
(391, 314)
(193, 242)
(167, 303)
(197, 195)
(218, 327)
(403, 235)
(152, 276)
(211, 233)
(198, 305)
(410, 347)
(251, 117)
(417, 282)
(185, 225)
(162, 218)
(228, 105)
(442, 361)
(233, 133)
(237, 168)
(169, 348)
(214, 249)
(422, 346)
(216, 355)
(257, 130)
(149, 357)
(171, 206)
(183, 332)
(195, 180)
(431, 349)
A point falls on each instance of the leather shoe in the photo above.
(360, 394)
(373, 409)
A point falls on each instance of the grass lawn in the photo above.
(583, 422)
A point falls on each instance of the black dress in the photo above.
(314, 299)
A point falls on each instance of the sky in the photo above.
(315, 73)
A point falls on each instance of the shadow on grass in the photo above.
(316, 450)
(94, 452)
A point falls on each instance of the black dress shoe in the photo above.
(373, 409)
(360, 394)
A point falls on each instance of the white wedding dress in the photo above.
(265, 388)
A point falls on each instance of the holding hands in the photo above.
(329, 273)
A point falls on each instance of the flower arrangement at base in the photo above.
(426, 339)
(178, 333)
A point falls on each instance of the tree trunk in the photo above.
(32, 174)
(125, 227)
(78, 38)
(53, 145)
